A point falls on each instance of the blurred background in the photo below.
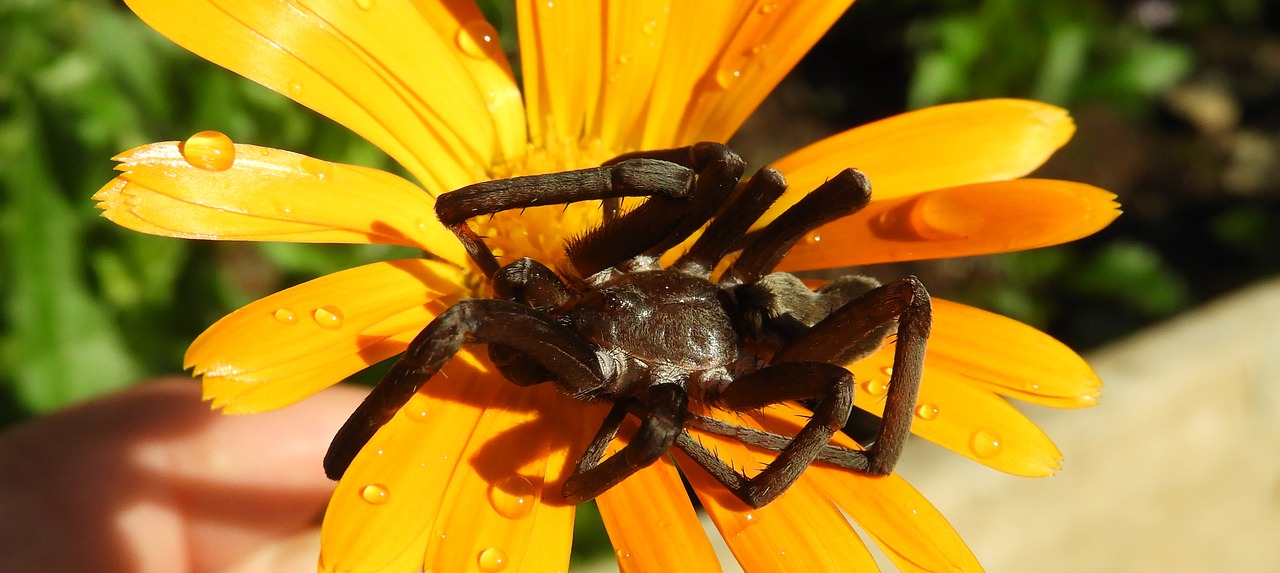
(1177, 103)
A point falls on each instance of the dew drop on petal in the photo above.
(295, 88)
(876, 387)
(209, 150)
(316, 167)
(477, 39)
(624, 59)
(365, 4)
(416, 413)
(768, 8)
(812, 239)
(492, 559)
(727, 76)
(328, 316)
(512, 497)
(926, 411)
(649, 27)
(939, 216)
(985, 444)
(285, 316)
(887, 370)
(375, 494)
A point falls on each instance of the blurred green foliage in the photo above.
(89, 307)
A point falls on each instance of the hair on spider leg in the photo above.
(616, 326)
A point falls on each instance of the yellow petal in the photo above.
(634, 37)
(560, 52)
(652, 523)
(963, 417)
(381, 515)
(270, 195)
(800, 531)
(933, 148)
(298, 341)
(1009, 358)
(415, 80)
(978, 219)
(763, 45)
(502, 510)
(901, 521)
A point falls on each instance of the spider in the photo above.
(616, 326)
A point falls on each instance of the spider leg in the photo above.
(638, 177)
(558, 349)
(845, 329)
(663, 408)
(830, 454)
(734, 220)
(846, 193)
(831, 385)
(648, 229)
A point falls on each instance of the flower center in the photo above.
(540, 232)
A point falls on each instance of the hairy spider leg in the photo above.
(661, 180)
(661, 411)
(830, 385)
(843, 195)
(659, 223)
(904, 299)
(733, 221)
(558, 349)
(832, 338)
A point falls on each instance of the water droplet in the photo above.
(477, 39)
(941, 216)
(812, 239)
(364, 4)
(375, 494)
(649, 27)
(321, 169)
(209, 150)
(727, 76)
(512, 497)
(876, 387)
(624, 59)
(622, 554)
(417, 413)
(926, 411)
(285, 316)
(768, 8)
(985, 444)
(492, 559)
(328, 316)
(887, 370)
(295, 88)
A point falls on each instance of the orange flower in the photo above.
(468, 475)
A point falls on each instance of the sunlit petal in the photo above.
(800, 531)
(635, 35)
(271, 195)
(561, 49)
(933, 148)
(502, 509)
(417, 80)
(978, 219)
(381, 515)
(306, 338)
(900, 520)
(672, 539)
(763, 44)
(963, 417)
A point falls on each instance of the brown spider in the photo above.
(618, 327)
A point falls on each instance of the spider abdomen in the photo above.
(659, 317)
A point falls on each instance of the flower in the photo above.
(467, 476)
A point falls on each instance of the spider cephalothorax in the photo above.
(615, 325)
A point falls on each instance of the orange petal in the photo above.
(933, 148)
(632, 62)
(381, 515)
(298, 341)
(416, 79)
(269, 195)
(502, 509)
(762, 45)
(1009, 358)
(560, 49)
(652, 523)
(800, 531)
(976, 219)
(962, 417)
(912, 532)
